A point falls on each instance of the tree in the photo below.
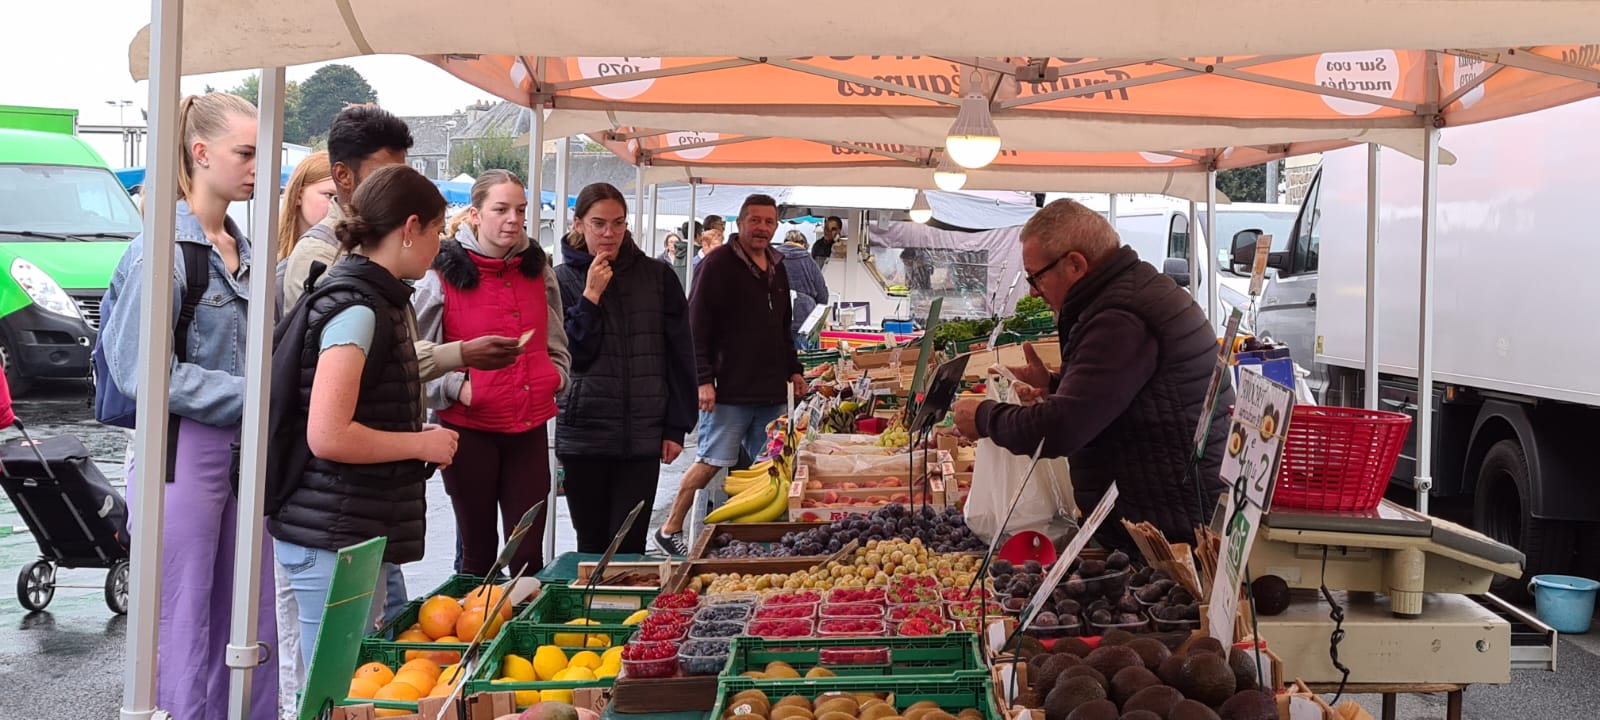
(492, 151)
(326, 92)
(1246, 184)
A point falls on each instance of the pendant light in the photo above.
(949, 176)
(973, 141)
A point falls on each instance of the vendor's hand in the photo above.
(670, 451)
(490, 352)
(799, 383)
(1034, 373)
(966, 412)
(599, 277)
(708, 397)
(1027, 394)
(437, 445)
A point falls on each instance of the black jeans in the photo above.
(600, 494)
(498, 474)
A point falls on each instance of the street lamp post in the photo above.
(448, 126)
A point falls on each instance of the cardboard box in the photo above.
(660, 571)
(492, 705)
(427, 709)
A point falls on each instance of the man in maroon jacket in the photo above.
(1137, 357)
(740, 315)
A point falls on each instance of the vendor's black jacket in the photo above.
(632, 360)
(1137, 358)
(335, 504)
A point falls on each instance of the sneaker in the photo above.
(674, 544)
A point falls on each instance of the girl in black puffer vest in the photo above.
(632, 396)
(362, 397)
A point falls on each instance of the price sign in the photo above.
(1249, 466)
(1258, 269)
(1058, 571)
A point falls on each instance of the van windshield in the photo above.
(62, 200)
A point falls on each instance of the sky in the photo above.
(79, 59)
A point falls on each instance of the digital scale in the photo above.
(1389, 550)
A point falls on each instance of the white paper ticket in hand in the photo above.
(523, 341)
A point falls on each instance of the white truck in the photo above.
(1516, 399)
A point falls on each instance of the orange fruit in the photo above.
(375, 671)
(425, 665)
(418, 680)
(485, 596)
(442, 657)
(398, 690)
(438, 616)
(413, 636)
(364, 688)
(472, 619)
(441, 690)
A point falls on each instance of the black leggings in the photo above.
(504, 472)
(601, 493)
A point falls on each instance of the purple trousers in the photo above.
(197, 556)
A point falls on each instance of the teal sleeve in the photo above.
(353, 325)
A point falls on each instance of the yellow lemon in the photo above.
(517, 668)
(607, 671)
(547, 661)
(563, 696)
(636, 618)
(579, 672)
(614, 655)
(598, 641)
(586, 659)
(577, 639)
(449, 674)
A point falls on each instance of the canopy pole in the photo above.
(1430, 218)
(693, 246)
(244, 653)
(536, 199)
(147, 487)
(1194, 254)
(1371, 395)
(654, 217)
(1213, 310)
(563, 187)
(638, 200)
(1111, 211)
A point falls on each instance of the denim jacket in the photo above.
(210, 387)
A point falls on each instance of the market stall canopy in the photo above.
(712, 158)
(1281, 104)
(232, 35)
(980, 210)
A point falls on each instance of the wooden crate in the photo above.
(747, 532)
(680, 577)
(659, 570)
(808, 504)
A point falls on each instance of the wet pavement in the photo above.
(67, 662)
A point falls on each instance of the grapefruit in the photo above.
(438, 616)
(363, 688)
(376, 672)
(472, 620)
(486, 596)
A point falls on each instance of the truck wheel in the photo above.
(19, 383)
(1500, 511)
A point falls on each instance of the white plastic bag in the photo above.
(1046, 504)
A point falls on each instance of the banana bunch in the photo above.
(764, 497)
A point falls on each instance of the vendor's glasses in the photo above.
(1033, 278)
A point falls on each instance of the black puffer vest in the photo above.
(1147, 449)
(336, 504)
(617, 406)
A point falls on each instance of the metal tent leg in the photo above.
(1372, 277)
(563, 189)
(155, 331)
(1430, 221)
(536, 199)
(1213, 308)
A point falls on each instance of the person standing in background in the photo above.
(633, 391)
(491, 279)
(822, 250)
(805, 280)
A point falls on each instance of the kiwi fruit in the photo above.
(1110, 660)
(1129, 681)
(1192, 710)
(1243, 664)
(969, 714)
(782, 670)
(796, 700)
(790, 712)
(837, 715)
(1168, 672)
(1069, 694)
(755, 674)
(876, 711)
(1249, 705)
(1207, 644)
(1150, 651)
(1156, 699)
(1030, 698)
(1140, 715)
(1207, 678)
(1073, 646)
(1095, 710)
(752, 694)
(819, 672)
(837, 704)
(1085, 671)
(937, 714)
(1036, 663)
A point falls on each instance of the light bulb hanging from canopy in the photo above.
(949, 176)
(921, 211)
(973, 141)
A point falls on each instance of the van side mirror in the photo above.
(1177, 269)
(1244, 251)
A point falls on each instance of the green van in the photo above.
(65, 222)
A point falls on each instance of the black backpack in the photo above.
(287, 449)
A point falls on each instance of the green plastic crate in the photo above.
(814, 358)
(934, 655)
(390, 654)
(559, 604)
(457, 586)
(1035, 323)
(952, 694)
(525, 639)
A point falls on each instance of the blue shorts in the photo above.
(727, 427)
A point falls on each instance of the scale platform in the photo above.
(1390, 550)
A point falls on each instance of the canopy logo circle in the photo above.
(600, 68)
(676, 139)
(1463, 72)
(1370, 72)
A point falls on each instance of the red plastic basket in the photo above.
(1338, 458)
